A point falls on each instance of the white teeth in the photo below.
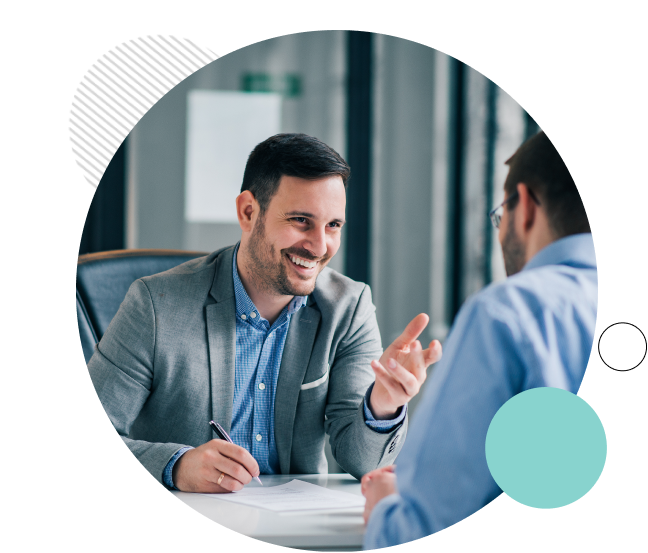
(303, 262)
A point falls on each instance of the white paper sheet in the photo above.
(296, 495)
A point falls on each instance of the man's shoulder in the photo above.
(333, 288)
(551, 287)
(195, 272)
(344, 304)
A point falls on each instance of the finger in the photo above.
(408, 381)
(386, 378)
(366, 477)
(239, 455)
(371, 473)
(227, 483)
(385, 483)
(364, 484)
(433, 353)
(412, 331)
(226, 459)
(388, 381)
(415, 362)
(232, 469)
(416, 347)
(364, 481)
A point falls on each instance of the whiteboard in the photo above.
(222, 129)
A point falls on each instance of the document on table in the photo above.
(296, 495)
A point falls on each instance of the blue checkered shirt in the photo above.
(259, 348)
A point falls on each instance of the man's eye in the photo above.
(299, 219)
(335, 225)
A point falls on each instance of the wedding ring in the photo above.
(220, 478)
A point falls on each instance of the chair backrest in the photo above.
(104, 278)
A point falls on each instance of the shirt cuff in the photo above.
(167, 475)
(382, 426)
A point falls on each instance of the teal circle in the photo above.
(546, 447)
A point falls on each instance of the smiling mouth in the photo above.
(301, 263)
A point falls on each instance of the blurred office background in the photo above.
(426, 137)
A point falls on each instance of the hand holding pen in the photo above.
(217, 466)
(220, 432)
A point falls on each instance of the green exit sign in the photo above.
(289, 84)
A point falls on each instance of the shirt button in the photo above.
(243, 316)
(259, 437)
(261, 386)
(253, 315)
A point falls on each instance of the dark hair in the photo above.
(539, 165)
(293, 155)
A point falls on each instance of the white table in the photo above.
(323, 531)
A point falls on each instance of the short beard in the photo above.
(512, 250)
(268, 275)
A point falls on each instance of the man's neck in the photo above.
(540, 237)
(269, 305)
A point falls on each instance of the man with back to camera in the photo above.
(534, 329)
(263, 339)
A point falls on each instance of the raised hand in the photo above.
(402, 369)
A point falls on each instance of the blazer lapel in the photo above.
(294, 362)
(221, 337)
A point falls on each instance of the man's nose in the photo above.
(316, 242)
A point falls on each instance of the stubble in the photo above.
(268, 271)
(512, 250)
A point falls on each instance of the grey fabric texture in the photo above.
(165, 367)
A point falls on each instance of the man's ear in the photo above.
(247, 209)
(527, 207)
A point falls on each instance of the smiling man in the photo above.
(264, 339)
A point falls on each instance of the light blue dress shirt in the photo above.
(259, 349)
(534, 329)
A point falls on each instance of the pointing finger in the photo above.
(412, 331)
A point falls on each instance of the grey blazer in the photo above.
(165, 367)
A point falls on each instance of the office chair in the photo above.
(104, 278)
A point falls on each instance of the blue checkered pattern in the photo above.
(259, 348)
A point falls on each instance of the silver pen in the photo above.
(220, 432)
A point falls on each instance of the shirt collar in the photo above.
(245, 306)
(576, 250)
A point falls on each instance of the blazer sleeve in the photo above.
(356, 447)
(121, 370)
